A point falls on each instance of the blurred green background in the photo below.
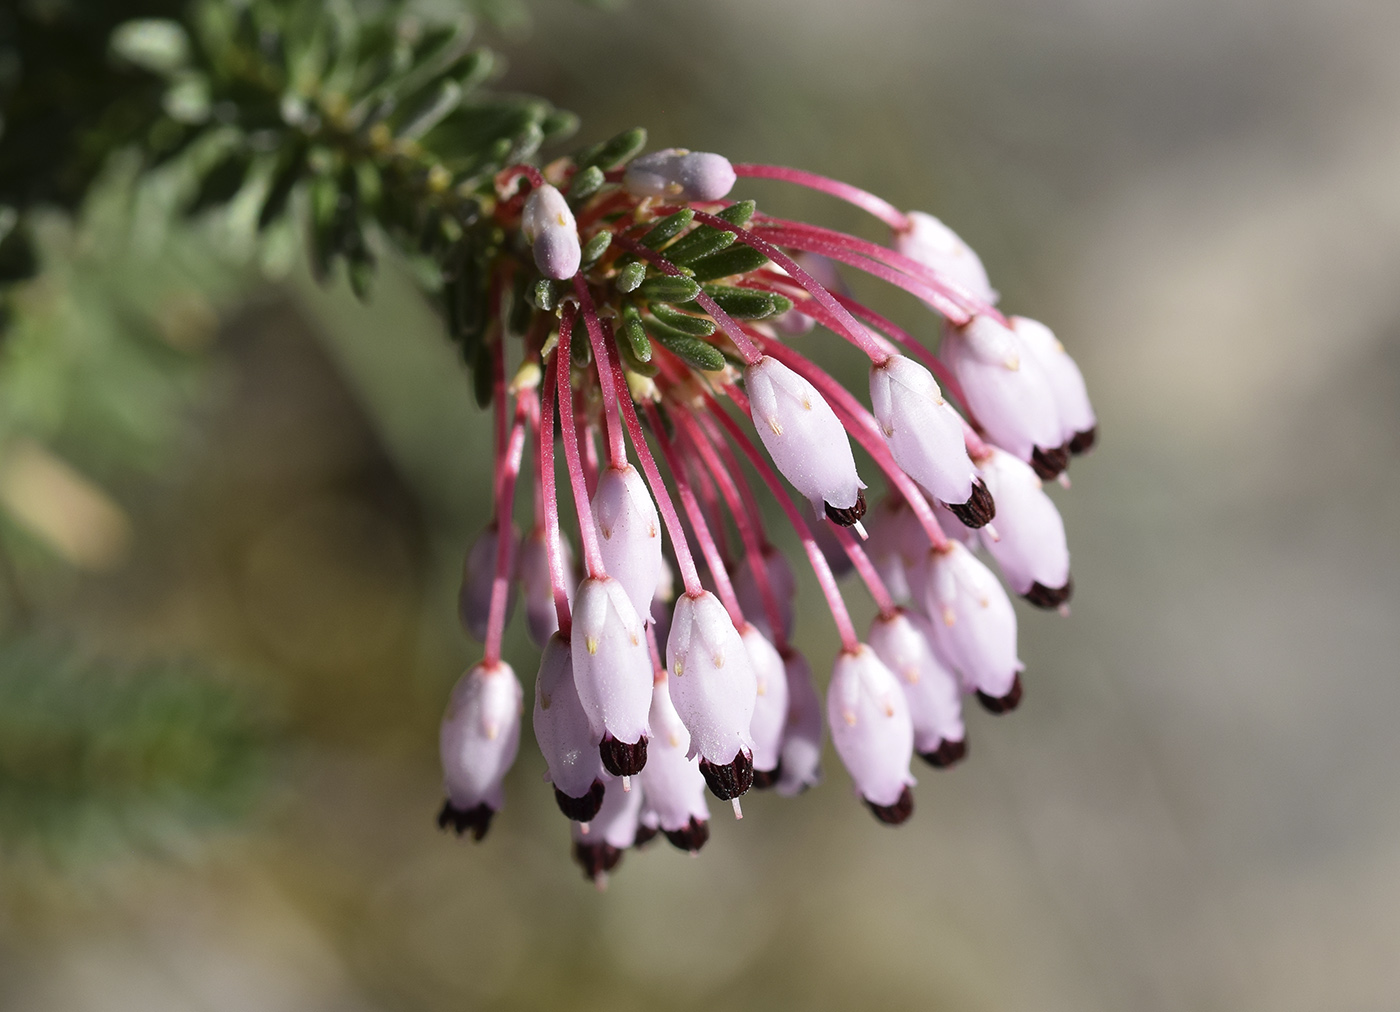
(1195, 807)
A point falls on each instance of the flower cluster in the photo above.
(653, 317)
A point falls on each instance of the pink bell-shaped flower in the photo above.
(783, 584)
(974, 627)
(478, 741)
(805, 439)
(714, 691)
(614, 829)
(923, 432)
(541, 618)
(1030, 548)
(612, 670)
(1079, 424)
(800, 766)
(565, 738)
(629, 534)
(931, 690)
(937, 246)
(672, 781)
(549, 227)
(679, 174)
(770, 706)
(1008, 391)
(872, 732)
(478, 573)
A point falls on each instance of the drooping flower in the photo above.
(714, 691)
(631, 534)
(903, 642)
(770, 706)
(565, 736)
(612, 672)
(537, 587)
(974, 626)
(672, 781)
(478, 573)
(935, 245)
(478, 741)
(612, 831)
(872, 732)
(1078, 423)
(800, 766)
(1030, 545)
(923, 431)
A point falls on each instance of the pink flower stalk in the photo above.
(672, 782)
(565, 735)
(626, 362)
(478, 575)
(479, 738)
(902, 642)
(800, 765)
(1008, 391)
(599, 850)
(714, 690)
(873, 733)
(1030, 547)
(974, 627)
(537, 585)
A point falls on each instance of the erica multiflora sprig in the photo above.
(651, 315)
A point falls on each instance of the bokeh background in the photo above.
(1196, 807)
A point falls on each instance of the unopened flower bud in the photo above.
(935, 245)
(1079, 425)
(872, 732)
(805, 439)
(679, 174)
(672, 782)
(549, 226)
(714, 691)
(1007, 390)
(478, 741)
(629, 534)
(478, 574)
(931, 690)
(973, 625)
(612, 671)
(536, 586)
(800, 766)
(565, 738)
(923, 432)
(770, 707)
(611, 832)
(782, 582)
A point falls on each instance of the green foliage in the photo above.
(99, 758)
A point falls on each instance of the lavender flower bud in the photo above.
(805, 439)
(714, 691)
(935, 245)
(800, 765)
(565, 738)
(1006, 389)
(612, 670)
(672, 781)
(630, 534)
(930, 689)
(611, 832)
(478, 741)
(549, 227)
(1079, 425)
(678, 174)
(541, 618)
(478, 573)
(974, 626)
(770, 706)
(1031, 548)
(872, 732)
(782, 582)
(923, 432)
